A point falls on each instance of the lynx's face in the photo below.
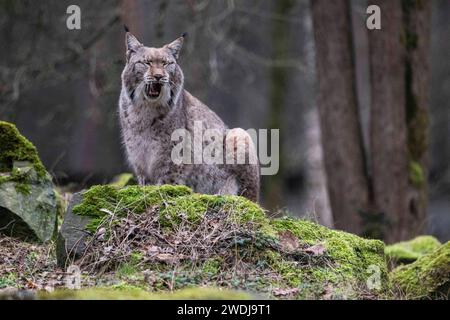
(152, 74)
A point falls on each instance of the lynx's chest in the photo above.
(144, 152)
(145, 146)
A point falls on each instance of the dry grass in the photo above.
(28, 266)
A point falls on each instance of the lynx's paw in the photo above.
(141, 180)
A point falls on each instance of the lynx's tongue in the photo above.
(154, 89)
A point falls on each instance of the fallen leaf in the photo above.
(316, 250)
(285, 292)
(153, 250)
(31, 285)
(288, 241)
(166, 257)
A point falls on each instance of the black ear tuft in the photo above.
(184, 35)
(126, 28)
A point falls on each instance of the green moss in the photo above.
(410, 251)
(427, 277)
(23, 188)
(307, 231)
(205, 293)
(124, 286)
(132, 198)
(136, 257)
(97, 294)
(348, 257)
(62, 204)
(8, 280)
(126, 270)
(211, 267)
(135, 293)
(286, 269)
(416, 175)
(18, 175)
(130, 270)
(99, 201)
(194, 207)
(176, 203)
(15, 147)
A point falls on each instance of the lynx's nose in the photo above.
(158, 77)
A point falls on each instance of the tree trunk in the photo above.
(279, 82)
(399, 116)
(417, 19)
(131, 14)
(339, 119)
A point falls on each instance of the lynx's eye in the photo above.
(140, 64)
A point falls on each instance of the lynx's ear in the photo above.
(175, 46)
(132, 43)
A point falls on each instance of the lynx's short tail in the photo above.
(241, 156)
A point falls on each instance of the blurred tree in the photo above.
(388, 199)
(399, 116)
(338, 110)
(387, 120)
(131, 15)
(417, 19)
(279, 82)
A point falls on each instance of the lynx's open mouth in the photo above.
(153, 89)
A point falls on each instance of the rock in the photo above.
(409, 251)
(28, 203)
(123, 180)
(427, 277)
(72, 235)
(219, 241)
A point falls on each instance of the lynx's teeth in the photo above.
(153, 89)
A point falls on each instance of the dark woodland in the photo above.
(363, 117)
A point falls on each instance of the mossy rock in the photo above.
(16, 148)
(28, 202)
(427, 277)
(123, 180)
(281, 257)
(409, 251)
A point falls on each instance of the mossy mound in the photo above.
(28, 202)
(164, 238)
(427, 277)
(410, 251)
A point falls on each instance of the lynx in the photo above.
(153, 104)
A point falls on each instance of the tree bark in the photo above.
(344, 159)
(417, 20)
(279, 77)
(131, 14)
(399, 116)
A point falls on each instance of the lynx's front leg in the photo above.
(141, 180)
